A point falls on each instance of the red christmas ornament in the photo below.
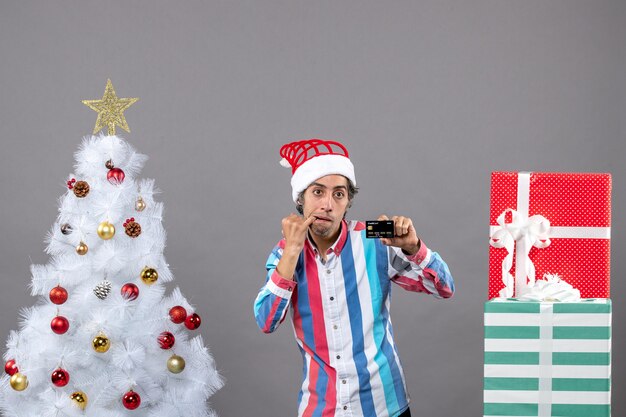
(59, 325)
(178, 314)
(166, 340)
(70, 183)
(10, 367)
(58, 295)
(131, 400)
(115, 176)
(130, 291)
(60, 377)
(193, 321)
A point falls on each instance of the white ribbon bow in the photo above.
(521, 234)
(550, 288)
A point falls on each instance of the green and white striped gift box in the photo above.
(545, 359)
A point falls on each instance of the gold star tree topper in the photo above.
(110, 110)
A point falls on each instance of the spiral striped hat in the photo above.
(315, 158)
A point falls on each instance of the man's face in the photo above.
(327, 200)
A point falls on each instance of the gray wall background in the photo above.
(429, 97)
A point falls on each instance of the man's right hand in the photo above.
(294, 231)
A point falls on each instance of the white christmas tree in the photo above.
(104, 338)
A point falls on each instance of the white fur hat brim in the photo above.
(319, 167)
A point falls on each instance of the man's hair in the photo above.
(352, 192)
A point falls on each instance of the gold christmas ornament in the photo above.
(106, 230)
(149, 275)
(80, 399)
(82, 248)
(101, 343)
(19, 382)
(140, 205)
(175, 364)
(110, 110)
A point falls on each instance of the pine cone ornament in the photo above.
(66, 228)
(132, 228)
(103, 289)
(81, 189)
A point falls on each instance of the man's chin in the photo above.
(321, 231)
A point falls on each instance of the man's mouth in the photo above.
(322, 219)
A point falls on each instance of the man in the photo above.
(338, 284)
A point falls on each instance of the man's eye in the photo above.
(317, 192)
(339, 194)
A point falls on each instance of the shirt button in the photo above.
(335, 327)
(328, 271)
(338, 356)
(332, 298)
(345, 407)
(343, 381)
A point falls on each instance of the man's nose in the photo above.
(327, 203)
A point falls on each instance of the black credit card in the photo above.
(379, 228)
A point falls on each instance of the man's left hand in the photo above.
(405, 236)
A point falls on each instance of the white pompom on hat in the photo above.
(315, 158)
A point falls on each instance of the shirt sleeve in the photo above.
(272, 302)
(424, 271)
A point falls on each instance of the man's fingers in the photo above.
(289, 218)
(399, 229)
(383, 217)
(309, 220)
(409, 227)
(402, 225)
(295, 224)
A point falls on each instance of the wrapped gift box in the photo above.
(578, 209)
(547, 359)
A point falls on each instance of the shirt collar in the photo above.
(336, 247)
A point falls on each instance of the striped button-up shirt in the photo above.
(340, 316)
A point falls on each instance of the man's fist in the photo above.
(295, 229)
(405, 236)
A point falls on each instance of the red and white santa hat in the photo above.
(315, 158)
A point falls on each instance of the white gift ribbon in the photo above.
(524, 232)
(550, 288)
(545, 360)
